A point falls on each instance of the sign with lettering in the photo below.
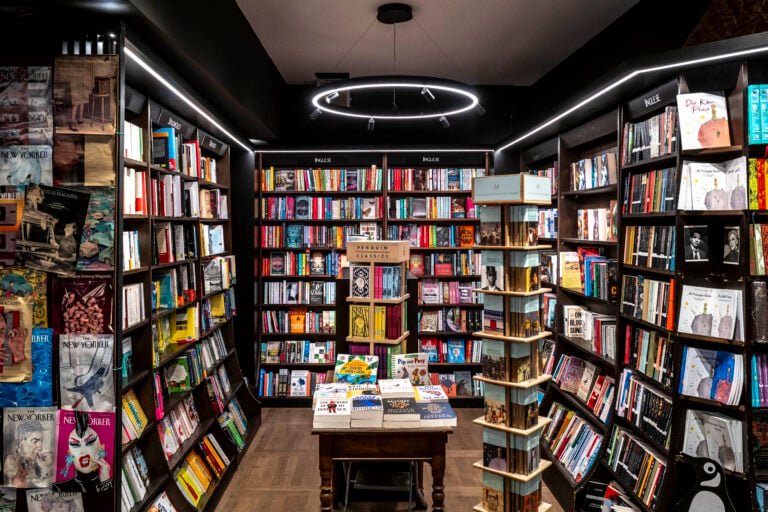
(653, 100)
(168, 118)
(384, 251)
(208, 143)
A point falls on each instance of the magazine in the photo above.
(24, 165)
(25, 94)
(11, 208)
(84, 450)
(28, 443)
(16, 339)
(38, 392)
(51, 500)
(51, 227)
(96, 250)
(76, 297)
(85, 372)
(76, 78)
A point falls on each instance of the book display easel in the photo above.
(512, 467)
(300, 249)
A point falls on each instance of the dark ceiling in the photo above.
(212, 50)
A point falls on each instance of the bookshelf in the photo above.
(417, 197)
(185, 343)
(511, 331)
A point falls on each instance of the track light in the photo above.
(332, 96)
(479, 110)
(444, 121)
(315, 114)
(371, 123)
(427, 95)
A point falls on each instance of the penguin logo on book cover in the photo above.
(709, 492)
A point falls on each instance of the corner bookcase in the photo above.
(647, 245)
(512, 428)
(149, 363)
(421, 197)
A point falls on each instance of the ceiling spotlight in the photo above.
(427, 95)
(444, 121)
(371, 123)
(479, 110)
(315, 114)
(332, 96)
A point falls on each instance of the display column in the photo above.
(511, 297)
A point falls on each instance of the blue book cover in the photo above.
(722, 380)
(169, 134)
(39, 391)
(455, 351)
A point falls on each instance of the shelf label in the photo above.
(210, 144)
(653, 100)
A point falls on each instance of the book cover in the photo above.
(39, 391)
(360, 279)
(356, 369)
(436, 414)
(456, 351)
(317, 263)
(493, 492)
(84, 450)
(28, 446)
(51, 227)
(493, 359)
(285, 179)
(359, 323)
(490, 225)
(25, 165)
(294, 236)
(50, 500)
(277, 263)
(703, 119)
(463, 379)
(301, 209)
(492, 270)
(715, 186)
(177, 376)
(85, 372)
(368, 208)
(7, 499)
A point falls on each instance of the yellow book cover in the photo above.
(213, 452)
(752, 172)
(297, 316)
(359, 326)
(200, 469)
(136, 413)
(570, 271)
(187, 487)
(380, 314)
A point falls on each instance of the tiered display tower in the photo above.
(512, 427)
(374, 319)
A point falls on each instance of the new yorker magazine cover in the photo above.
(38, 392)
(84, 451)
(16, 339)
(28, 442)
(26, 105)
(50, 500)
(85, 372)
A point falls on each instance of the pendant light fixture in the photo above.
(407, 98)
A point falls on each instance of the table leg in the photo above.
(326, 475)
(438, 472)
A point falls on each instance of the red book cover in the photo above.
(761, 184)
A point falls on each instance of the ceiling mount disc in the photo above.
(394, 13)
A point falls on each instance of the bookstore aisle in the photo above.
(273, 474)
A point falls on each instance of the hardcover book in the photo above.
(85, 372)
(359, 321)
(356, 369)
(714, 186)
(28, 444)
(490, 225)
(360, 276)
(703, 120)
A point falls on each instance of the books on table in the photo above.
(396, 388)
(332, 413)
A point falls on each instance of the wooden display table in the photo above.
(369, 444)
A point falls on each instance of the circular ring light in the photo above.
(387, 83)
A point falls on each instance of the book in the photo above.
(85, 372)
(332, 413)
(396, 388)
(703, 120)
(714, 186)
(713, 312)
(714, 436)
(84, 450)
(356, 369)
(436, 414)
(463, 380)
(360, 281)
(359, 322)
(28, 446)
(490, 225)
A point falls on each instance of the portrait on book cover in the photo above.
(85, 94)
(731, 245)
(696, 243)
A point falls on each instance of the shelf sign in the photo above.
(512, 188)
(210, 144)
(430, 159)
(323, 160)
(169, 119)
(378, 251)
(653, 100)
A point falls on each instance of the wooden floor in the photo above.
(280, 471)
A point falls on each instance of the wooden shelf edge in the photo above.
(526, 384)
(512, 339)
(543, 465)
(540, 291)
(544, 507)
(543, 422)
(368, 300)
